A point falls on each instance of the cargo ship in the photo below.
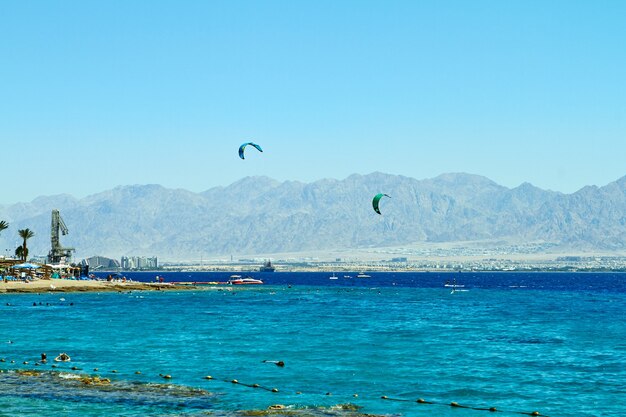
(267, 267)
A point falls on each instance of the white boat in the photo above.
(363, 275)
(333, 276)
(244, 281)
(347, 276)
(452, 284)
(455, 287)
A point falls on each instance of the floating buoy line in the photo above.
(233, 381)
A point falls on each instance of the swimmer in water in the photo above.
(277, 363)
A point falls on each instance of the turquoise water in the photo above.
(560, 352)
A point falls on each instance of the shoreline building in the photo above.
(96, 263)
(138, 262)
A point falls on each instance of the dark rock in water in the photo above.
(82, 388)
(94, 389)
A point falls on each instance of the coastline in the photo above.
(69, 285)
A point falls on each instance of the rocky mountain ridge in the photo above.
(259, 215)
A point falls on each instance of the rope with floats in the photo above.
(233, 381)
(457, 405)
(386, 398)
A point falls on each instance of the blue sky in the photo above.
(100, 94)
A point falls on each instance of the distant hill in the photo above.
(258, 215)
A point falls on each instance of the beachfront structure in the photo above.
(100, 262)
(58, 254)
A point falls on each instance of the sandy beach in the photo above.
(68, 285)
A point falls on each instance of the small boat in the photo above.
(363, 275)
(333, 276)
(244, 281)
(347, 276)
(455, 287)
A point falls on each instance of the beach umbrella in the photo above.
(26, 265)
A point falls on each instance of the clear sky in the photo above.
(95, 94)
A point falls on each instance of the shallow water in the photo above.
(555, 343)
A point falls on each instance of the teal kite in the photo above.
(376, 200)
(242, 147)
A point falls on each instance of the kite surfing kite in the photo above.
(242, 147)
(376, 200)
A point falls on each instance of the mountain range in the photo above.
(259, 215)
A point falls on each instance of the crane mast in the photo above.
(57, 252)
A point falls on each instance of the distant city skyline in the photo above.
(96, 95)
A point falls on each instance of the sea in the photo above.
(396, 344)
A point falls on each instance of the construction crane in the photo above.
(58, 253)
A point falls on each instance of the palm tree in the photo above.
(25, 234)
(19, 252)
(3, 225)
